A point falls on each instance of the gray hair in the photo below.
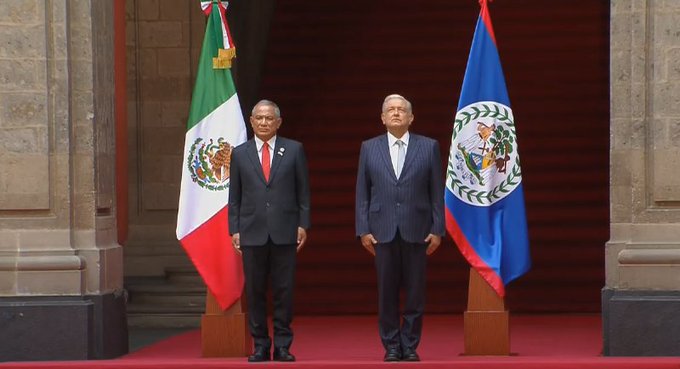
(397, 96)
(277, 111)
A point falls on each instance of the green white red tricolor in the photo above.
(215, 125)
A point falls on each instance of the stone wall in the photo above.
(56, 149)
(164, 39)
(642, 294)
(163, 43)
(58, 253)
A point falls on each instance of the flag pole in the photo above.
(478, 185)
(486, 321)
(224, 333)
(215, 125)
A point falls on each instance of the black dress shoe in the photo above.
(410, 355)
(282, 354)
(392, 354)
(260, 354)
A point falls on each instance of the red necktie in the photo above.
(265, 161)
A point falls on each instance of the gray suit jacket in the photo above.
(259, 210)
(413, 203)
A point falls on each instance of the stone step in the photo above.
(165, 288)
(183, 275)
(174, 301)
(165, 309)
(160, 292)
(148, 315)
(169, 299)
(160, 320)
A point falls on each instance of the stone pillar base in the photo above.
(640, 322)
(63, 327)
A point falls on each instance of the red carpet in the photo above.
(552, 341)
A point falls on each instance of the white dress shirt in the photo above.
(394, 148)
(272, 143)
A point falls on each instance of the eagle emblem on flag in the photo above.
(208, 163)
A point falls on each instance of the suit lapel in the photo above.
(251, 150)
(411, 153)
(279, 151)
(384, 150)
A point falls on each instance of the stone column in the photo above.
(641, 299)
(61, 295)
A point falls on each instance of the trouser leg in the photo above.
(413, 265)
(255, 267)
(282, 264)
(387, 264)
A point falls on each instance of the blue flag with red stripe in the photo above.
(484, 198)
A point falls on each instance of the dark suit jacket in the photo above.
(257, 209)
(414, 203)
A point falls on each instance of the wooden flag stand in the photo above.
(225, 333)
(486, 321)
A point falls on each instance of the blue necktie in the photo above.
(401, 153)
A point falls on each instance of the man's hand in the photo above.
(301, 238)
(236, 242)
(368, 242)
(434, 242)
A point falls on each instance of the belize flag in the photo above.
(484, 197)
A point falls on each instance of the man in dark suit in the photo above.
(400, 220)
(268, 218)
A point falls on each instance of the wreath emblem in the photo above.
(208, 163)
(483, 162)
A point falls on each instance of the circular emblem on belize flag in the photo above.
(483, 162)
(208, 163)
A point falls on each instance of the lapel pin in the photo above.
(281, 150)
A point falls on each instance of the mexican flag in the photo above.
(215, 126)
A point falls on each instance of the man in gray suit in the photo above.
(268, 218)
(400, 220)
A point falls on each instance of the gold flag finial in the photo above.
(224, 58)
